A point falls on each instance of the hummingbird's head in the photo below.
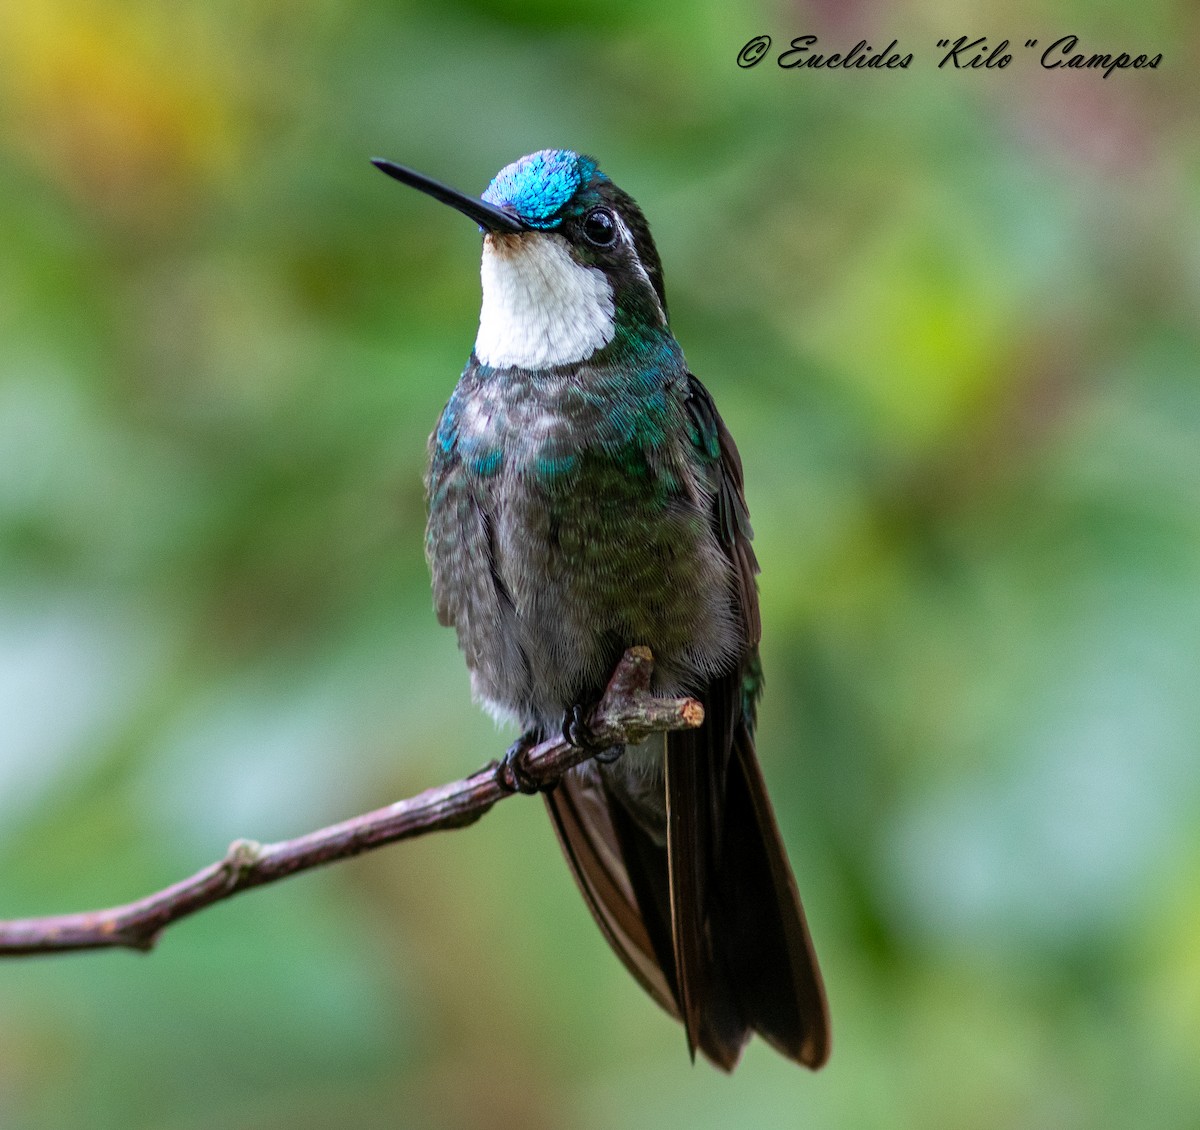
(568, 261)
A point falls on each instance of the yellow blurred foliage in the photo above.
(119, 103)
(915, 325)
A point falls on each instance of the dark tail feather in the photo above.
(707, 999)
(710, 925)
(742, 950)
(625, 879)
(758, 922)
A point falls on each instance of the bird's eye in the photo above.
(599, 227)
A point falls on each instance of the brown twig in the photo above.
(626, 714)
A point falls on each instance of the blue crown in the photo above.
(538, 187)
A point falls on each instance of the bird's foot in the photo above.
(512, 774)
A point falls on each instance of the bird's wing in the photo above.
(710, 923)
(743, 956)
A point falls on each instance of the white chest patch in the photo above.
(540, 307)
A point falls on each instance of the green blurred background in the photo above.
(951, 319)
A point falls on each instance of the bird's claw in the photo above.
(577, 731)
(512, 773)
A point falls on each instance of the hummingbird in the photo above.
(584, 497)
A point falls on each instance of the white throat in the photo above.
(540, 307)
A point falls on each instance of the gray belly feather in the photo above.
(554, 547)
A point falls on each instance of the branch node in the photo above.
(143, 943)
(242, 857)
